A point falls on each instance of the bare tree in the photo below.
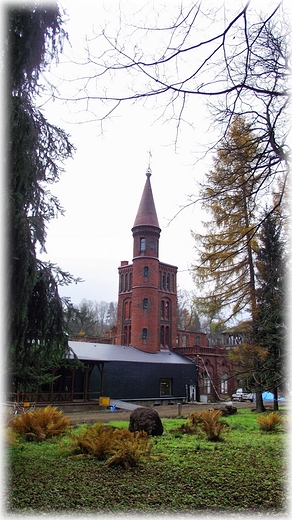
(237, 59)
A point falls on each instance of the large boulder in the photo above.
(146, 419)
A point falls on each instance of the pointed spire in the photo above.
(146, 215)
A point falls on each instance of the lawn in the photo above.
(244, 473)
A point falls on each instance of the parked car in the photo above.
(242, 395)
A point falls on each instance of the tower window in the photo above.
(165, 309)
(145, 303)
(144, 333)
(146, 271)
(142, 244)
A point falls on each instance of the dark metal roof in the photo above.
(103, 352)
(146, 215)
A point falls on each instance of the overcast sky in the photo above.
(101, 187)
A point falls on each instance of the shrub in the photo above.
(211, 425)
(95, 440)
(206, 421)
(129, 448)
(41, 424)
(119, 447)
(270, 422)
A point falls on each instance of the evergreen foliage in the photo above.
(239, 235)
(36, 150)
(269, 328)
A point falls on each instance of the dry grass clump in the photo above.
(271, 421)
(115, 446)
(41, 424)
(94, 440)
(206, 421)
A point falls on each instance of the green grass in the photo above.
(246, 472)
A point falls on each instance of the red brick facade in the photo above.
(147, 303)
(147, 307)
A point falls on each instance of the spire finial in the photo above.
(148, 172)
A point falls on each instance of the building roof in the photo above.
(103, 352)
(146, 215)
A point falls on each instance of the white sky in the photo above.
(102, 186)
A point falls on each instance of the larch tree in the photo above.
(36, 151)
(225, 271)
(229, 193)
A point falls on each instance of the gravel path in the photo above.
(167, 411)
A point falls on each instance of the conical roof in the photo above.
(146, 215)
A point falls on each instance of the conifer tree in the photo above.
(225, 270)
(36, 150)
(269, 326)
(225, 273)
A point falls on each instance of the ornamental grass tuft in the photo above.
(117, 447)
(270, 422)
(40, 424)
(207, 422)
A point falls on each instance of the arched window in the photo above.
(224, 384)
(145, 303)
(126, 310)
(162, 335)
(146, 271)
(144, 333)
(168, 282)
(167, 338)
(167, 310)
(142, 244)
(125, 338)
(206, 383)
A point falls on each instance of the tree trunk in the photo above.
(259, 402)
(276, 403)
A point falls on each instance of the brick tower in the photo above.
(147, 303)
